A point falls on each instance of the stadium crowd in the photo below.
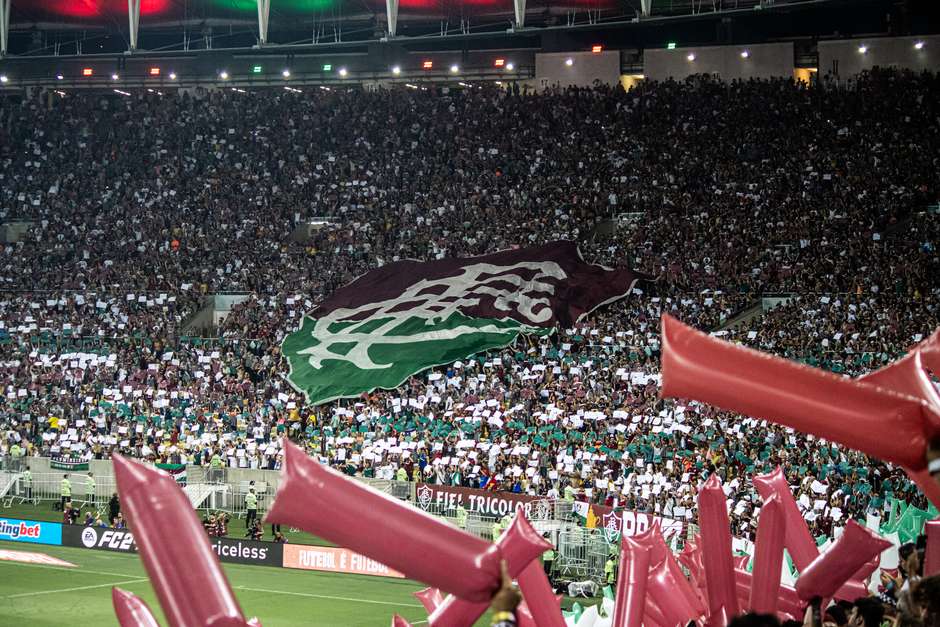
(730, 198)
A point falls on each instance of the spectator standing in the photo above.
(65, 491)
(27, 483)
(251, 504)
(114, 508)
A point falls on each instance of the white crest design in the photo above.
(613, 524)
(435, 301)
(424, 497)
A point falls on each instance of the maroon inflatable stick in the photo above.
(131, 610)
(175, 550)
(323, 502)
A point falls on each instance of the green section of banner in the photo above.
(326, 363)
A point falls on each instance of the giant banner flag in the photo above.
(407, 316)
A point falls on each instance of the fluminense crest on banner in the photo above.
(613, 524)
(408, 316)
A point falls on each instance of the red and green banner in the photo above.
(407, 316)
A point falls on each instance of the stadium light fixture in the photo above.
(510, 67)
(919, 45)
(597, 49)
(115, 76)
(862, 49)
(172, 76)
(396, 70)
(745, 54)
(454, 69)
(223, 75)
(59, 77)
(343, 72)
(154, 71)
(4, 78)
(569, 61)
(691, 56)
(285, 73)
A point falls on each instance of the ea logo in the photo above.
(89, 537)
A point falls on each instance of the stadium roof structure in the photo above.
(68, 27)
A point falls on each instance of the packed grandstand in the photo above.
(800, 220)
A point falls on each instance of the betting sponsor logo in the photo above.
(38, 532)
(19, 529)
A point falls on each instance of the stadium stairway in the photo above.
(197, 493)
(754, 310)
(7, 481)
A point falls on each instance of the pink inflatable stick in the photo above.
(520, 544)
(932, 557)
(430, 598)
(398, 621)
(907, 376)
(524, 616)
(631, 584)
(324, 502)
(131, 610)
(175, 550)
(662, 587)
(768, 557)
(716, 547)
(798, 540)
(544, 605)
(653, 539)
(856, 546)
(787, 599)
(718, 618)
(876, 421)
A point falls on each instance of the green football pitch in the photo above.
(39, 595)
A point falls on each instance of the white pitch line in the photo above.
(326, 596)
(101, 572)
(74, 569)
(62, 590)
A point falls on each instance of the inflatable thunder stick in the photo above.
(878, 422)
(631, 584)
(852, 550)
(715, 529)
(932, 556)
(175, 550)
(768, 557)
(323, 502)
(131, 610)
(430, 598)
(520, 545)
(663, 588)
(543, 604)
